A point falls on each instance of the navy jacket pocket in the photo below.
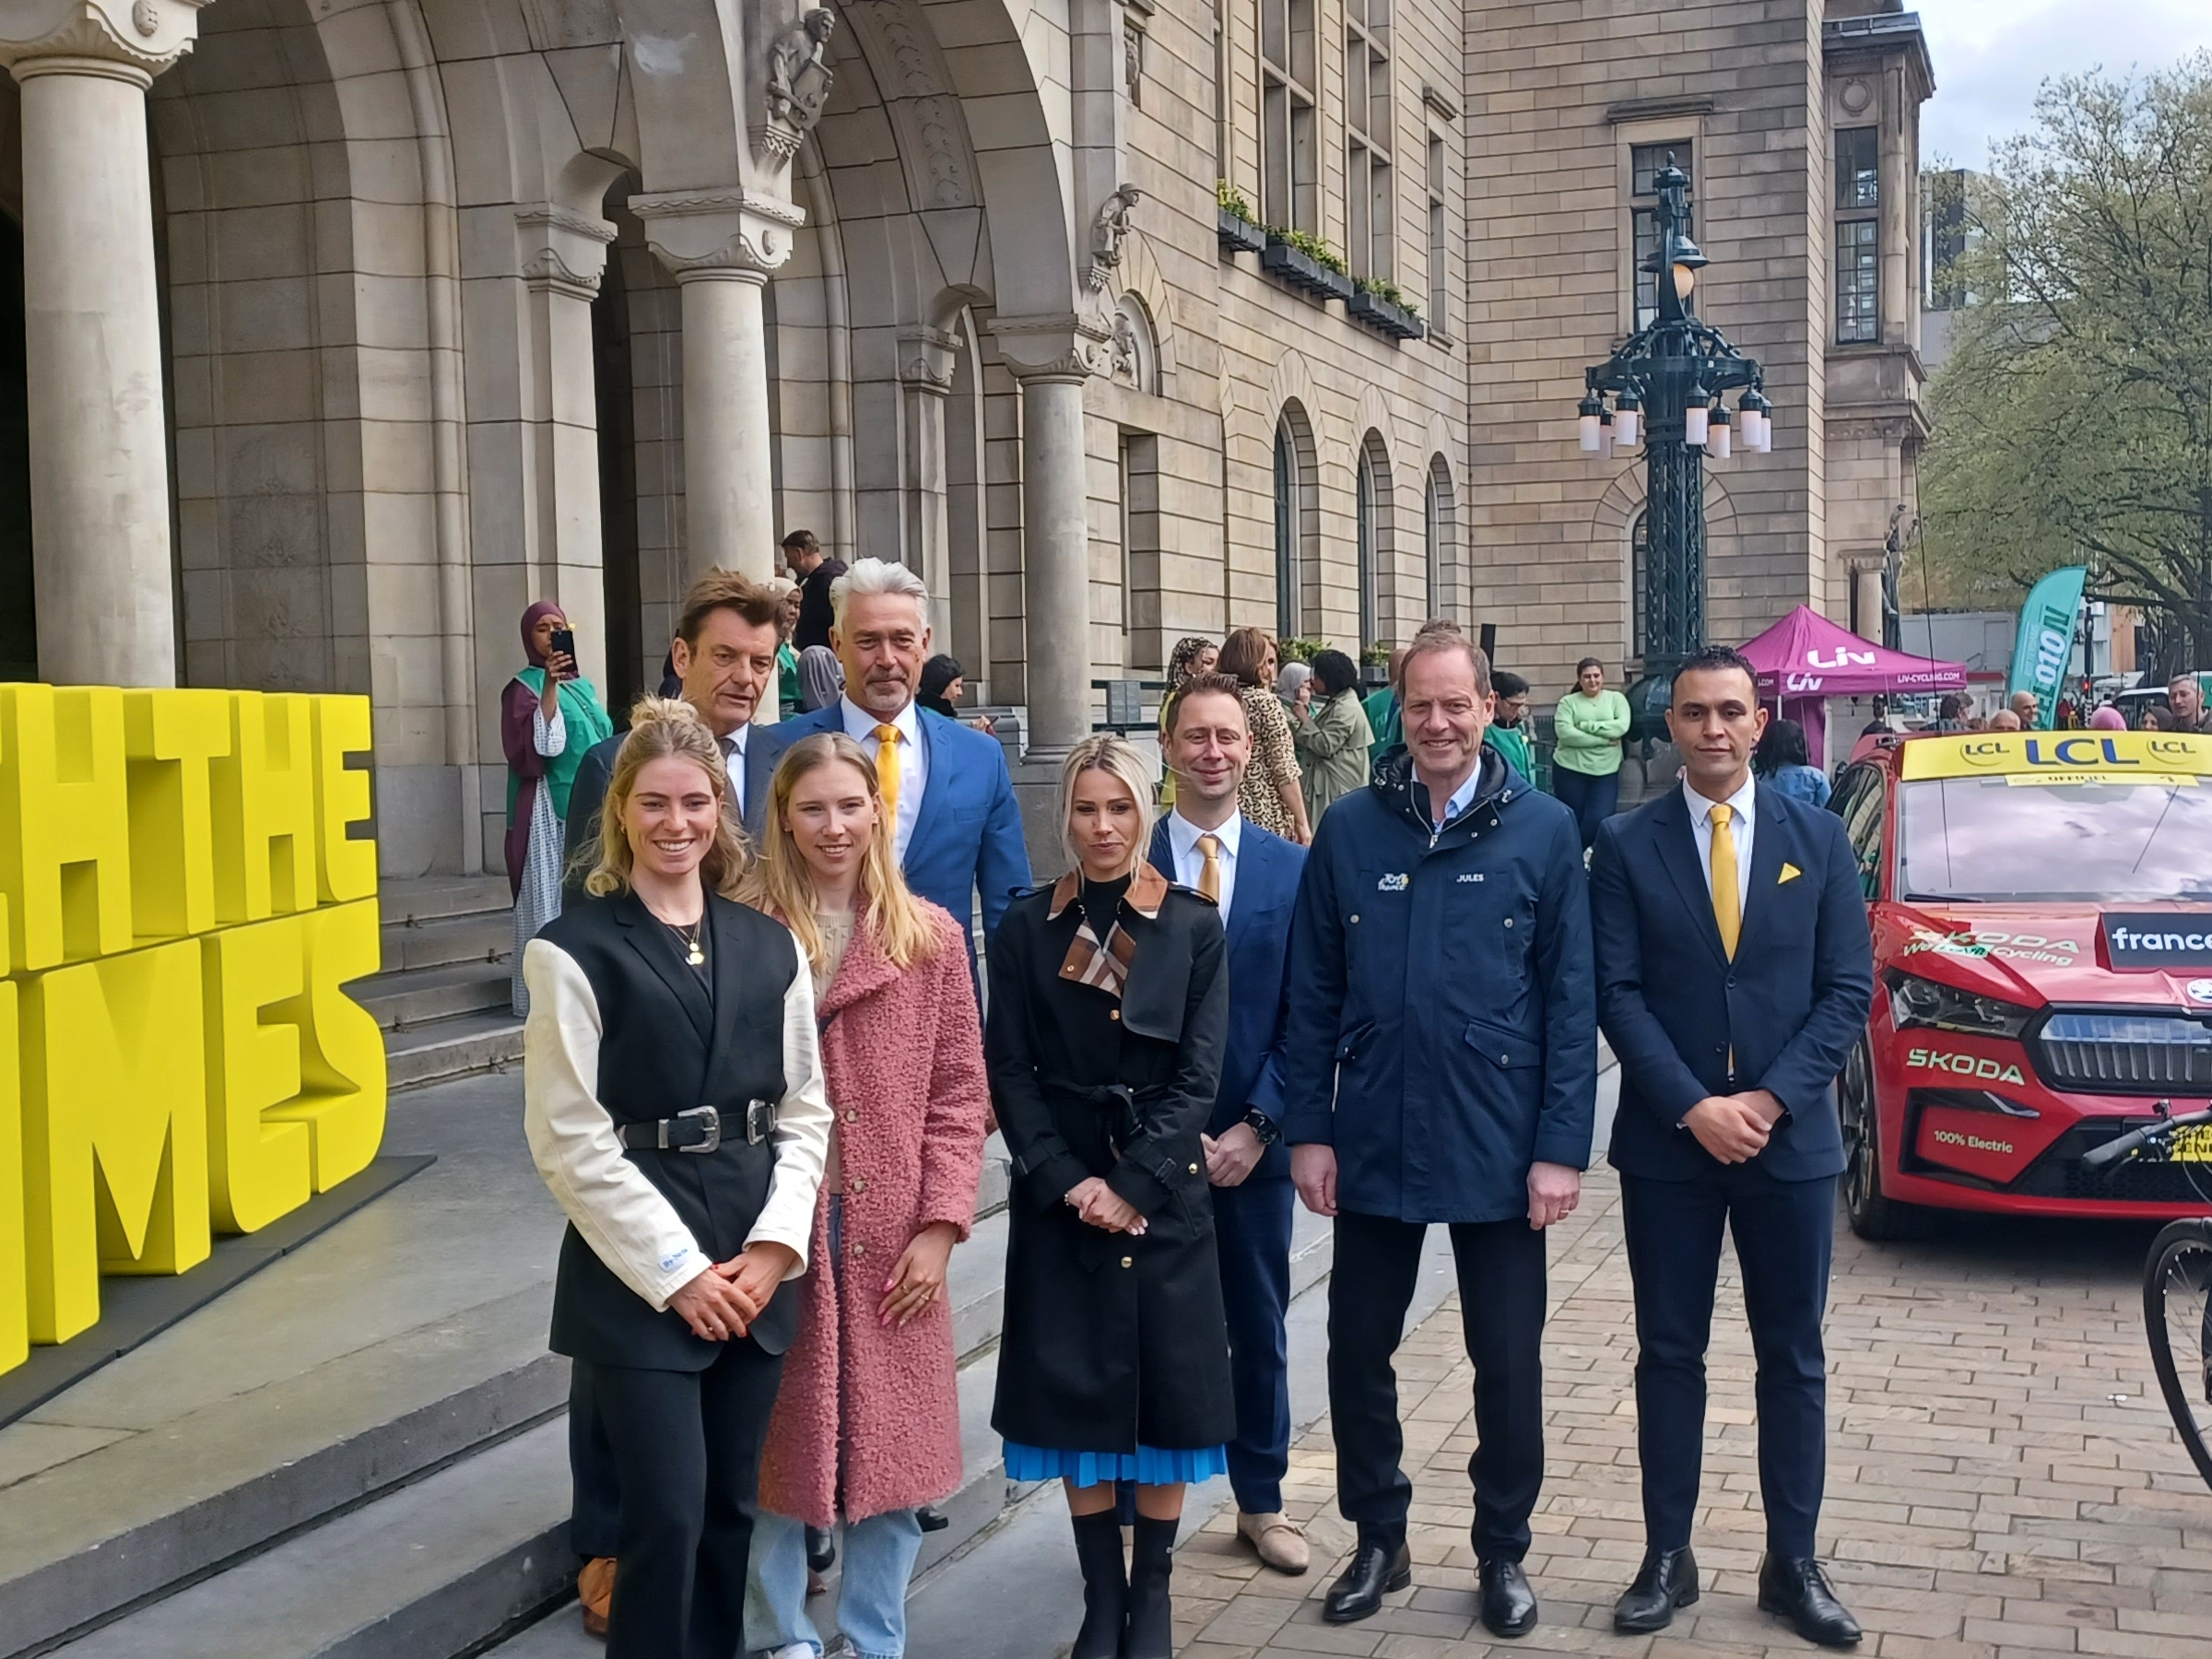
(1508, 1050)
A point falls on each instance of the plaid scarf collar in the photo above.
(1106, 967)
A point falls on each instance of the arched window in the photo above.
(1367, 550)
(1639, 581)
(1439, 525)
(1287, 574)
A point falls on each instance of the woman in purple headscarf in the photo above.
(549, 718)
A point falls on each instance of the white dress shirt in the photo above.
(732, 758)
(1189, 863)
(914, 761)
(1742, 825)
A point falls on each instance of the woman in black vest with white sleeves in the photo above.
(673, 1096)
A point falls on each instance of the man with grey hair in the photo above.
(946, 788)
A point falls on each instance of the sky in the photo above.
(1990, 56)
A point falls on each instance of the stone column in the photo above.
(1052, 358)
(564, 255)
(926, 362)
(99, 441)
(1894, 184)
(721, 245)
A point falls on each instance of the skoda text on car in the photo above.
(2042, 908)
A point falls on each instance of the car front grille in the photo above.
(2125, 1053)
(2058, 1172)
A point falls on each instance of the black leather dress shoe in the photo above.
(1509, 1605)
(1667, 1580)
(1375, 1571)
(1798, 1590)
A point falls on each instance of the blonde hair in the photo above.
(1119, 759)
(780, 885)
(664, 728)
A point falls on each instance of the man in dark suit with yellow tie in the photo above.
(1734, 975)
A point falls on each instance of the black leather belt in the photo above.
(697, 1130)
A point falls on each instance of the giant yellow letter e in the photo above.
(114, 1129)
(258, 1169)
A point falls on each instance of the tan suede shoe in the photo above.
(595, 1594)
(1278, 1541)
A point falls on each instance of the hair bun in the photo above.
(663, 711)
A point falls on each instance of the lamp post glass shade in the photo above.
(1666, 385)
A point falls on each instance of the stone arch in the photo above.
(1141, 277)
(1133, 348)
(1439, 526)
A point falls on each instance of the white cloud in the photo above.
(1991, 55)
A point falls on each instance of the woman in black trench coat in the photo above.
(1108, 1007)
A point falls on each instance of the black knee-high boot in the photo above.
(1105, 1586)
(1151, 1614)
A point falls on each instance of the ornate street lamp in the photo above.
(1666, 385)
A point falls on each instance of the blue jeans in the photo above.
(879, 1558)
(1592, 800)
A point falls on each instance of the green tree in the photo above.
(2073, 420)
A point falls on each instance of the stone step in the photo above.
(432, 898)
(481, 936)
(428, 1571)
(418, 995)
(441, 1050)
(122, 1519)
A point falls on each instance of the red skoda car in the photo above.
(2041, 907)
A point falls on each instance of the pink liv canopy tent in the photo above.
(1804, 659)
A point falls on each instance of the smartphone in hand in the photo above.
(564, 642)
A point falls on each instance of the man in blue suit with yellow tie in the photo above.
(1207, 846)
(956, 828)
(1734, 975)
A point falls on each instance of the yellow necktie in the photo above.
(886, 771)
(1209, 877)
(1727, 902)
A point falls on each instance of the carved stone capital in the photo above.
(925, 357)
(124, 40)
(700, 233)
(1068, 347)
(563, 252)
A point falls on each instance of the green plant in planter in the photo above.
(1313, 247)
(1377, 655)
(1299, 650)
(1386, 291)
(1230, 199)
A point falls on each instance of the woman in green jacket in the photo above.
(1588, 725)
(1332, 734)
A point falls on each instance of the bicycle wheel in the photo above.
(2177, 1307)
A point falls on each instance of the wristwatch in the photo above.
(1262, 1125)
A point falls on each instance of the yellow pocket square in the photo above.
(1789, 872)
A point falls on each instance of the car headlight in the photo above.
(1919, 1002)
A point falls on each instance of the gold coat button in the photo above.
(851, 1115)
(1194, 1168)
(1128, 1261)
(1113, 1013)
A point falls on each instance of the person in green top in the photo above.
(1588, 725)
(1507, 733)
(1382, 710)
(1330, 732)
(549, 717)
(788, 700)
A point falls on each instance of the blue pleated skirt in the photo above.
(1148, 1465)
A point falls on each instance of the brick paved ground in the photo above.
(1987, 1494)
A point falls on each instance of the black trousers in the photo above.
(1784, 1232)
(1252, 1231)
(1501, 1292)
(595, 1490)
(687, 1453)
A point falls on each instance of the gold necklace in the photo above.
(693, 954)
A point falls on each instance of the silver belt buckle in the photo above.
(713, 1125)
(760, 1121)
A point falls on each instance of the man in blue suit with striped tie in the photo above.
(957, 829)
(1205, 844)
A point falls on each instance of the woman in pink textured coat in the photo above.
(867, 1424)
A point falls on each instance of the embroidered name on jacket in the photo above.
(1472, 876)
(1393, 884)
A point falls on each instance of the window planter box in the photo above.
(1241, 235)
(1380, 314)
(1301, 270)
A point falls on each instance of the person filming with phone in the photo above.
(549, 718)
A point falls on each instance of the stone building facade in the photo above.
(351, 329)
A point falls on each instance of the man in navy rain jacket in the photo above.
(1442, 1065)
